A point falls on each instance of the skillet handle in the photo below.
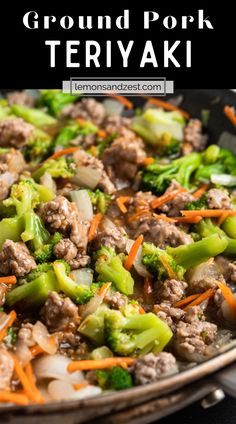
(226, 379)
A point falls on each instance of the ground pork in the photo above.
(84, 159)
(21, 98)
(110, 235)
(169, 314)
(11, 164)
(116, 299)
(67, 250)
(194, 140)
(227, 268)
(122, 157)
(14, 160)
(218, 199)
(6, 180)
(119, 125)
(172, 290)
(195, 313)
(173, 207)
(88, 109)
(14, 132)
(150, 368)
(15, 259)
(59, 314)
(6, 369)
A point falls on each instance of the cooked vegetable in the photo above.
(44, 252)
(34, 116)
(167, 106)
(55, 100)
(116, 378)
(215, 161)
(61, 167)
(73, 130)
(160, 263)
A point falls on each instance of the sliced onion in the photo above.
(138, 265)
(48, 182)
(55, 367)
(8, 178)
(87, 177)
(62, 390)
(224, 179)
(83, 203)
(42, 338)
(92, 305)
(113, 107)
(83, 276)
(202, 271)
(23, 353)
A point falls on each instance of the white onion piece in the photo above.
(87, 177)
(8, 178)
(113, 107)
(55, 367)
(201, 271)
(47, 181)
(224, 179)
(22, 352)
(83, 203)
(140, 268)
(92, 305)
(62, 390)
(42, 337)
(83, 276)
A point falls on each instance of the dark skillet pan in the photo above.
(146, 404)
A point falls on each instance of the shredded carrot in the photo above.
(11, 279)
(210, 213)
(94, 364)
(164, 218)
(36, 350)
(228, 295)
(141, 311)
(35, 393)
(166, 106)
(187, 219)
(133, 252)
(140, 214)
(229, 111)
(147, 161)
(165, 198)
(206, 295)
(11, 319)
(94, 226)
(79, 386)
(168, 268)
(198, 193)
(127, 103)
(121, 203)
(186, 300)
(63, 152)
(222, 218)
(80, 121)
(22, 377)
(104, 289)
(148, 289)
(12, 397)
(102, 134)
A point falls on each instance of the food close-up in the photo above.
(117, 243)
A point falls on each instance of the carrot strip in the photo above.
(102, 134)
(187, 219)
(94, 364)
(208, 213)
(11, 319)
(94, 226)
(186, 300)
(127, 103)
(198, 193)
(168, 268)
(133, 252)
(222, 218)
(63, 152)
(22, 377)
(139, 214)
(11, 279)
(228, 295)
(121, 203)
(79, 386)
(104, 289)
(34, 390)
(11, 397)
(36, 350)
(164, 218)
(166, 197)
(229, 112)
(166, 106)
(147, 161)
(80, 121)
(141, 311)
(206, 295)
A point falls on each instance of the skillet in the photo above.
(149, 403)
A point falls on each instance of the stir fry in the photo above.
(117, 245)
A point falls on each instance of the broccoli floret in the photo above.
(57, 168)
(109, 267)
(206, 228)
(100, 200)
(116, 378)
(159, 262)
(92, 327)
(55, 100)
(161, 129)
(130, 333)
(45, 252)
(80, 293)
(35, 231)
(215, 161)
(197, 204)
(74, 130)
(101, 144)
(5, 109)
(35, 273)
(36, 117)
(157, 177)
(38, 147)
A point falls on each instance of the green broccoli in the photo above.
(36, 117)
(38, 147)
(35, 231)
(73, 130)
(215, 161)
(109, 267)
(36, 272)
(92, 327)
(115, 378)
(57, 168)
(157, 176)
(44, 253)
(55, 100)
(80, 293)
(5, 109)
(198, 204)
(163, 130)
(229, 226)
(100, 200)
(154, 259)
(101, 144)
(206, 228)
